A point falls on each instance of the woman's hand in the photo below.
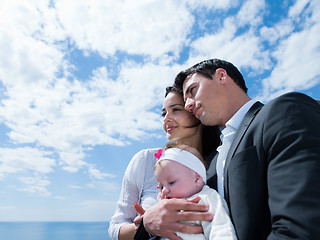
(164, 218)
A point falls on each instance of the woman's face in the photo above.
(177, 122)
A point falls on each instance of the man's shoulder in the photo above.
(291, 97)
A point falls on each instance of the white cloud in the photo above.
(45, 106)
(251, 13)
(214, 4)
(298, 7)
(19, 160)
(96, 173)
(152, 27)
(277, 32)
(35, 185)
(297, 57)
(244, 50)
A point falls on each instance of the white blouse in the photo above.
(138, 185)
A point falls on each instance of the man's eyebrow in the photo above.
(187, 92)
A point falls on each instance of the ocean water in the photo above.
(54, 231)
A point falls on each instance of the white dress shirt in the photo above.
(227, 136)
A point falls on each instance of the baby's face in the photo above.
(176, 180)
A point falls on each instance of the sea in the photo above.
(54, 231)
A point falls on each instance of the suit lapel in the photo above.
(250, 115)
(212, 174)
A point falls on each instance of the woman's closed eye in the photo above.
(176, 109)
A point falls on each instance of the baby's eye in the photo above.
(176, 109)
(163, 114)
(171, 183)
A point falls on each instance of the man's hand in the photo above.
(163, 218)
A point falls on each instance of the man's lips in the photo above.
(195, 111)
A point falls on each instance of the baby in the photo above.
(180, 173)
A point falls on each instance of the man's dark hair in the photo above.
(207, 68)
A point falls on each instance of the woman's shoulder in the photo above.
(143, 157)
(146, 153)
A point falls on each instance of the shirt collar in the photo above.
(236, 119)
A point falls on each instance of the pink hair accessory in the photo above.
(158, 153)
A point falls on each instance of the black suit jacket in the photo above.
(272, 171)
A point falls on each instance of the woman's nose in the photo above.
(166, 118)
(189, 105)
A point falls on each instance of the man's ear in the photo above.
(221, 74)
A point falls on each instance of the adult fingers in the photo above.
(194, 216)
(137, 221)
(187, 205)
(172, 236)
(186, 228)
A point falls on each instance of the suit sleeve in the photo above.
(292, 142)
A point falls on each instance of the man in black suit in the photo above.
(267, 168)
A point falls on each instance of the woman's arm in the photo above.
(127, 232)
(121, 222)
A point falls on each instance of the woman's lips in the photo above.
(169, 129)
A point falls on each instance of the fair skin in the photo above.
(176, 180)
(176, 121)
(213, 101)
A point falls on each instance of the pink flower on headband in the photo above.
(158, 153)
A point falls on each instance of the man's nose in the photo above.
(189, 105)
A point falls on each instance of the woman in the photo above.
(139, 184)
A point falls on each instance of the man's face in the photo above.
(203, 98)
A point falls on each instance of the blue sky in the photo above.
(82, 84)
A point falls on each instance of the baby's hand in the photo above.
(138, 219)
